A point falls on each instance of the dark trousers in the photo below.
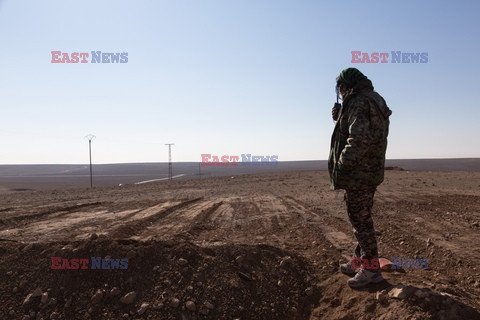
(359, 210)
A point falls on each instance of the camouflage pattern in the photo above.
(359, 140)
(357, 157)
(359, 209)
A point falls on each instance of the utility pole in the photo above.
(170, 171)
(90, 137)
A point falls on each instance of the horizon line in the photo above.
(286, 161)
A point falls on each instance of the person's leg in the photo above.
(359, 209)
(351, 267)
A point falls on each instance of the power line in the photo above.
(90, 137)
(170, 169)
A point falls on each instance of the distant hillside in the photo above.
(27, 177)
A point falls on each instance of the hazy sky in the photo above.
(230, 77)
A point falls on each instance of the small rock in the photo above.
(209, 305)
(174, 303)
(97, 297)
(382, 296)
(15, 290)
(429, 242)
(182, 262)
(9, 273)
(398, 292)
(189, 289)
(29, 298)
(115, 292)
(93, 236)
(477, 284)
(239, 260)
(129, 298)
(156, 268)
(309, 291)
(44, 297)
(280, 283)
(476, 224)
(37, 293)
(402, 243)
(159, 306)
(286, 261)
(143, 308)
(191, 306)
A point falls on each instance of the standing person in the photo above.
(356, 164)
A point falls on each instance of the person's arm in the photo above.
(359, 134)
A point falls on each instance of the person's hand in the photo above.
(335, 111)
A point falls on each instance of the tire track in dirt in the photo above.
(134, 227)
(77, 224)
(268, 220)
(176, 224)
(131, 215)
(246, 220)
(199, 223)
(49, 212)
(323, 223)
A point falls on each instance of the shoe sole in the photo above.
(374, 281)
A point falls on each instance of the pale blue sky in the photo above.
(230, 77)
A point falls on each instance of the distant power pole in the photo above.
(90, 137)
(170, 170)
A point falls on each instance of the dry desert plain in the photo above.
(259, 246)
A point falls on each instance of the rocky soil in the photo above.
(264, 246)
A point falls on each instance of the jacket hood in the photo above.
(365, 87)
(381, 104)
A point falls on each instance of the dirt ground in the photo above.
(263, 246)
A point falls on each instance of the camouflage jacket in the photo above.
(359, 142)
